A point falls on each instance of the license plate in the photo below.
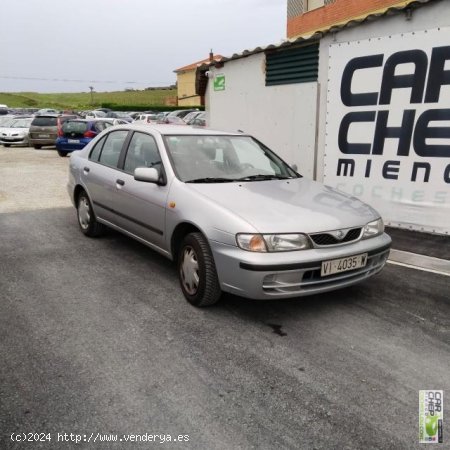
(73, 141)
(44, 135)
(343, 264)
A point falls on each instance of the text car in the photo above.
(228, 210)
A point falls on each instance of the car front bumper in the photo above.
(294, 274)
(14, 140)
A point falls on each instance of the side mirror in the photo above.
(294, 167)
(146, 174)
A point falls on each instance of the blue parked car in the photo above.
(75, 134)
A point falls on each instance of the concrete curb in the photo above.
(420, 262)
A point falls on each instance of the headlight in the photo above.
(373, 229)
(273, 242)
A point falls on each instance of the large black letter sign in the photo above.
(415, 81)
(347, 96)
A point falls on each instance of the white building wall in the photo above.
(282, 117)
(288, 118)
(419, 205)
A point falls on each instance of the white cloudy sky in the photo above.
(118, 44)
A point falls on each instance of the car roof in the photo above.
(167, 130)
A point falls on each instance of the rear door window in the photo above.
(95, 152)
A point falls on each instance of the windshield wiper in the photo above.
(263, 177)
(211, 180)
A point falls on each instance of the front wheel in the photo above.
(197, 271)
(86, 218)
(37, 147)
(62, 154)
(6, 145)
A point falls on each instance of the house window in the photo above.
(292, 65)
(314, 4)
(296, 8)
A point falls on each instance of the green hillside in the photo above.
(82, 100)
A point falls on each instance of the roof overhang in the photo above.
(201, 80)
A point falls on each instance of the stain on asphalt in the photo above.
(277, 329)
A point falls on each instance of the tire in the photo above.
(86, 217)
(37, 147)
(197, 271)
(62, 154)
(6, 145)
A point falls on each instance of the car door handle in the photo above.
(86, 169)
(120, 182)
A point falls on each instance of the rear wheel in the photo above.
(86, 218)
(197, 271)
(6, 145)
(62, 154)
(37, 147)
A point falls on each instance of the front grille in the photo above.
(329, 239)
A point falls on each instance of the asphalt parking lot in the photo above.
(96, 337)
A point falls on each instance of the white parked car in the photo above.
(16, 132)
(146, 118)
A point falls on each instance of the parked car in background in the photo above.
(160, 116)
(46, 111)
(172, 120)
(16, 133)
(191, 115)
(198, 121)
(44, 129)
(229, 211)
(146, 118)
(3, 110)
(75, 134)
(181, 112)
(95, 114)
(119, 115)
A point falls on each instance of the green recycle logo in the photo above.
(431, 425)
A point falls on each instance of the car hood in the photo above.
(289, 206)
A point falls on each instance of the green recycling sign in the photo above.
(219, 82)
(431, 416)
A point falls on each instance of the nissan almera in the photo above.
(228, 211)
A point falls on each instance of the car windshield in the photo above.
(6, 121)
(21, 123)
(214, 159)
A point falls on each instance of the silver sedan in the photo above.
(16, 131)
(231, 214)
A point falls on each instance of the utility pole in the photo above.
(92, 94)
